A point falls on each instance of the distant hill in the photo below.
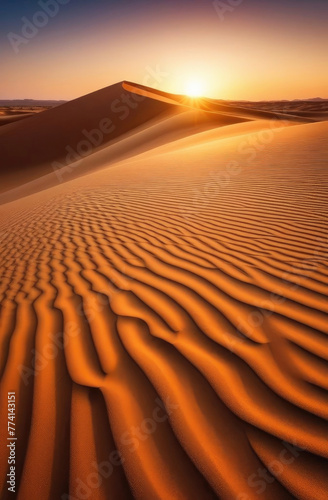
(313, 99)
(29, 103)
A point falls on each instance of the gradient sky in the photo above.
(261, 49)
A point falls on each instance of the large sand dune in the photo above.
(164, 297)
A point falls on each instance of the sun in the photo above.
(195, 88)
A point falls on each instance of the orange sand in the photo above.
(181, 264)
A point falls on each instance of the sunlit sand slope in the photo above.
(164, 321)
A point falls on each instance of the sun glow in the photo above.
(195, 88)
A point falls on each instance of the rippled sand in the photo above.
(164, 307)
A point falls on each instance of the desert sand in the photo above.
(164, 299)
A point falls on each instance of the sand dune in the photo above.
(30, 149)
(65, 135)
(174, 288)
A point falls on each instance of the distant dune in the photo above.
(10, 114)
(163, 295)
(30, 103)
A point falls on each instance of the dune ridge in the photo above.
(174, 290)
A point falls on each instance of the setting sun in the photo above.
(195, 88)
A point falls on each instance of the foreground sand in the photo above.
(167, 300)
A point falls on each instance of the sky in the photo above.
(229, 49)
